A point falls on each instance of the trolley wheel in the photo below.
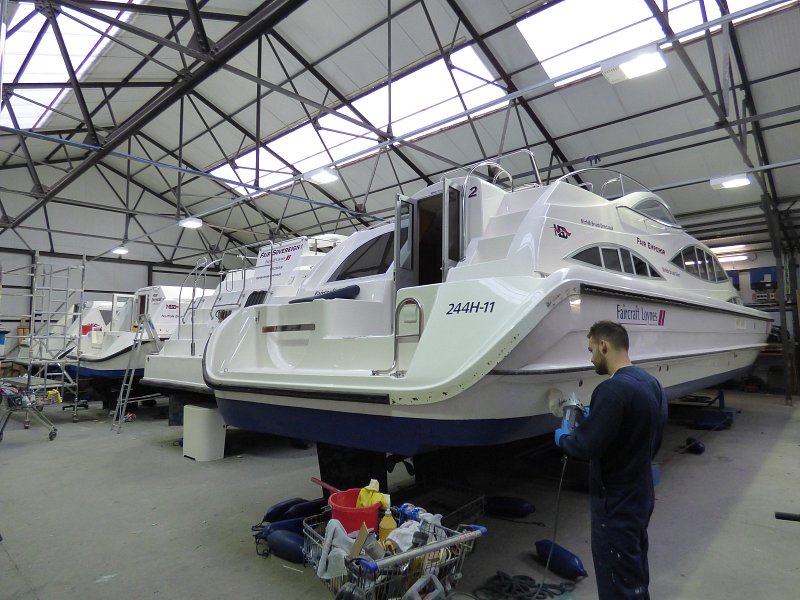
(40, 407)
(52, 435)
(1, 436)
(75, 418)
(26, 424)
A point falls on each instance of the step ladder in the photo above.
(145, 326)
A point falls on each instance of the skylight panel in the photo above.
(573, 34)
(46, 64)
(419, 100)
(270, 171)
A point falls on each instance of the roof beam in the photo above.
(509, 83)
(260, 21)
(147, 9)
(50, 15)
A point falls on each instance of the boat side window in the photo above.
(372, 258)
(590, 255)
(702, 265)
(696, 261)
(616, 259)
(611, 259)
(640, 266)
(719, 272)
(627, 262)
(687, 260)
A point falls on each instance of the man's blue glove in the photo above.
(562, 431)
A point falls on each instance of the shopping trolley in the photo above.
(390, 577)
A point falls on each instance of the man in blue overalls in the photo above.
(620, 435)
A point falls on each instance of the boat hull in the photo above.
(114, 363)
(501, 408)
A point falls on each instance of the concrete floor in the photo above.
(96, 514)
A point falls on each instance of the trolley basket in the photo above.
(390, 577)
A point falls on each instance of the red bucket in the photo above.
(343, 508)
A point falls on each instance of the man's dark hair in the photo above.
(613, 333)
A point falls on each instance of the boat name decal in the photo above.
(470, 307)
(670, 272)
(596, 224)
(283, 250)
(172, 307)
(649, 246)
(640, 315)
(561, 231)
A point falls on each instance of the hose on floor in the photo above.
(520, 587)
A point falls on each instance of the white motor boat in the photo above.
(59, 338)
(279, 270)
(460, 330)
(106, 353)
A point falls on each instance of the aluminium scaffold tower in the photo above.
(48, 347)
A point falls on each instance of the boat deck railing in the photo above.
(392, 370)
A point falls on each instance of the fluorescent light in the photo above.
(119, 250)
(730, 181)
(191, 223)
(734, 258)
(633, 65)
(323, 176)
(727, 249)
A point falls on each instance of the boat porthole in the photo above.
(667, 367)
(659, 368)
(580, 382)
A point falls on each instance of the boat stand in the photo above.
(701, 413)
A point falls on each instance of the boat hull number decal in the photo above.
(465, 308)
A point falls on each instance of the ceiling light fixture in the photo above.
(322, 176)
(190, 223)
(119, 250)
(730, 181)
(735, 258)
(633, 64)
(728, 249)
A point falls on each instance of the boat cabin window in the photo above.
(696, 261)
(614, 258)
(372, 258)
(655, 208)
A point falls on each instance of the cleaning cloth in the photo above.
(403, 536)
(335, 548)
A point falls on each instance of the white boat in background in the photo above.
(106, 353)
(60, 337)
(458, 331)
(280, 269)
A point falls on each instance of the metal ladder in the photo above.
(145, 325)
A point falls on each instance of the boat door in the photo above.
(429, 241)
(122, 317)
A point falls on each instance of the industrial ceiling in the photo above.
(121, 119)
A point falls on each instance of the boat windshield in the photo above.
(603, 182)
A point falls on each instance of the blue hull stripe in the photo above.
(403, 435)
(406, 436)
(101, 373)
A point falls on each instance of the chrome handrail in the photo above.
(405, 302)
